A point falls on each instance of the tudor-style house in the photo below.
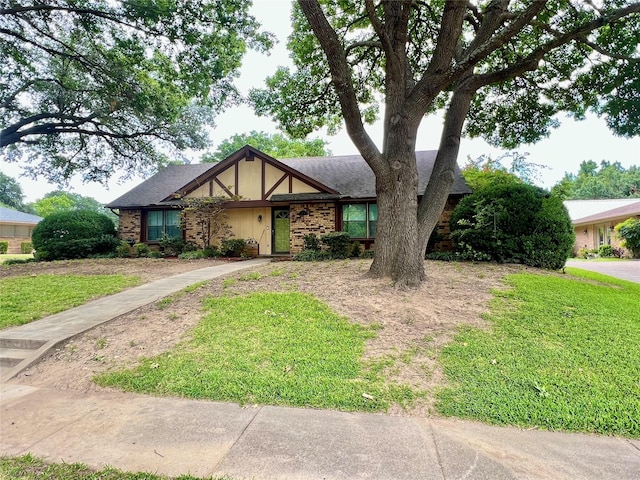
(273, 202)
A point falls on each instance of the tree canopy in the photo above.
(60, 201)
(276, 145)
(485, 170)
(11, 193)
(101, 86)
(593, 181)
(500, 69)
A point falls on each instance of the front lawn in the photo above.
(563, 354)
(268, 348)
(28, 298)
(15, 256)
(28, 467)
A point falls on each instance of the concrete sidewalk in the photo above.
(22, 345)
(174, 436)
(625, 270)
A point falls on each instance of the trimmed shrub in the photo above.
(74, 234)
(311, 242)
(191, 255)
(123, 250)
(171, 245)
(26, 247)
(141, 250)
(236, 247)
(338, 244)
(211, 251)
(4, 246)
(629, 232)
(605, 251)
(18, 261)
(355, 249)
(516, 223)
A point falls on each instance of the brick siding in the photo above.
(130, 224)
(320, 219)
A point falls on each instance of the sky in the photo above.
(561, 152)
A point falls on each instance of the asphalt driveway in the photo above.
(626, 269)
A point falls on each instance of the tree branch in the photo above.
(530, 62)
(343, 83)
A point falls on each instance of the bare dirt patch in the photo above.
(412, 325)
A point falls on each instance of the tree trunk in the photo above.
(398, 248)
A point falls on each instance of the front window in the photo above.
(161, 223)
(360, 220)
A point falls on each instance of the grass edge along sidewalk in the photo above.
(563, 353)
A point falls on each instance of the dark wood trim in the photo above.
(290, 184)
(223, 187)
(277, 184)
(246, 152)
(236, 172)
(248, 204)
(211, 188)
(143, 225)
(263, 180)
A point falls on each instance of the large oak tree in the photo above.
(99, 86)
(499, 69)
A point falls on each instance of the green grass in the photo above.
(29, 298)
(268, 348)
(562, 354)
(28, 467)
(15, 256)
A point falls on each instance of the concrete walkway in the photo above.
(22, 345)
(626, 269)
(174, 436)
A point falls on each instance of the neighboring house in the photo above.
(273, 202)
(593, 220)
(16, 227)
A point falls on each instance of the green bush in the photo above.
(629, 232)
(211, 252)
(123, 250)
(141, 250)
(605, 251)
(235, 247)
(355, 249)
(171, 245)
(191, 255)
(18, 261)
(74, 234)
(311, 242)
(516, 223)
(4, 246)
(338, 244)
(367, 254)
(26, 247)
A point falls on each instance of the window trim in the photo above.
(164, 223)
(367, 219)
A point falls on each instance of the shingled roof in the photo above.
(8, 215)
(164, 183)
(349, 175)
(352, 177)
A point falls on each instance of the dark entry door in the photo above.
(280, 230)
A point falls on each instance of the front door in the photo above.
(280, 230)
